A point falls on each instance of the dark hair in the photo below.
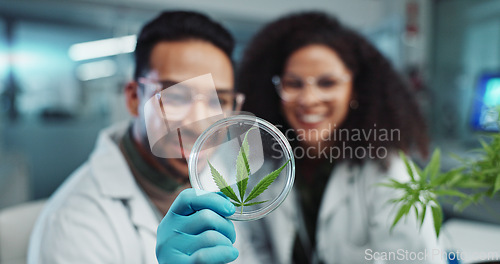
(175, 26)
(384, 98)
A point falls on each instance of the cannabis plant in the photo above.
(429, 185)
(243, 173)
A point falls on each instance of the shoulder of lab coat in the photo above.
(99, 214)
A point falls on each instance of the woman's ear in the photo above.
(132, 98)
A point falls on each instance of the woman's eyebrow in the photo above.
(291, 74)
(322, 75)
(330, 75)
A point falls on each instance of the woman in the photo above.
(347, 113)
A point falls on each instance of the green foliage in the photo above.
(242, 175)
(426, 186)
(437, 215)
(420, 191)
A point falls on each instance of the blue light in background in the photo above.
(492, 93)
(485, 115)
(4, 61)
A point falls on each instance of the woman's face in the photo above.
(322, 89)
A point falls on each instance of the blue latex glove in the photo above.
(195, 230)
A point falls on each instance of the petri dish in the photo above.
(246, 158)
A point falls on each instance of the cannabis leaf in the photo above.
(264, 183)
(242, 166)
(222, 184)
(242, 175)
(421, 190)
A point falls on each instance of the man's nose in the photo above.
(199, 114)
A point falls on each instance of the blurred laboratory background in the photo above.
(63, 66)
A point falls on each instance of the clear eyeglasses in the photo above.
(324, 88)
(177, 99)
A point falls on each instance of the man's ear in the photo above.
(132, 98)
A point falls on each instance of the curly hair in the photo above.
(384, 98)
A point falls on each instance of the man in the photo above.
(109, 209)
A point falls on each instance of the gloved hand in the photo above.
(195, 230)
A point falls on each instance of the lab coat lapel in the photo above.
(146, 222)
(336, 192)
(142, 216)
(282, 229)
(116, 181)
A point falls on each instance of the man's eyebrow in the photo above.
(167, 83)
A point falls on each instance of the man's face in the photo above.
(177, 62)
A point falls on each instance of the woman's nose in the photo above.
(308, 95)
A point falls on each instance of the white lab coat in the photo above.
(353, 224)
(99, 214)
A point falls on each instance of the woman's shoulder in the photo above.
(392, 167)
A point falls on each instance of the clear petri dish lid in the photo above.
(246, 158)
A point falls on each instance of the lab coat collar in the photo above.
(115, 180)
(336, 191)
(109, 167)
